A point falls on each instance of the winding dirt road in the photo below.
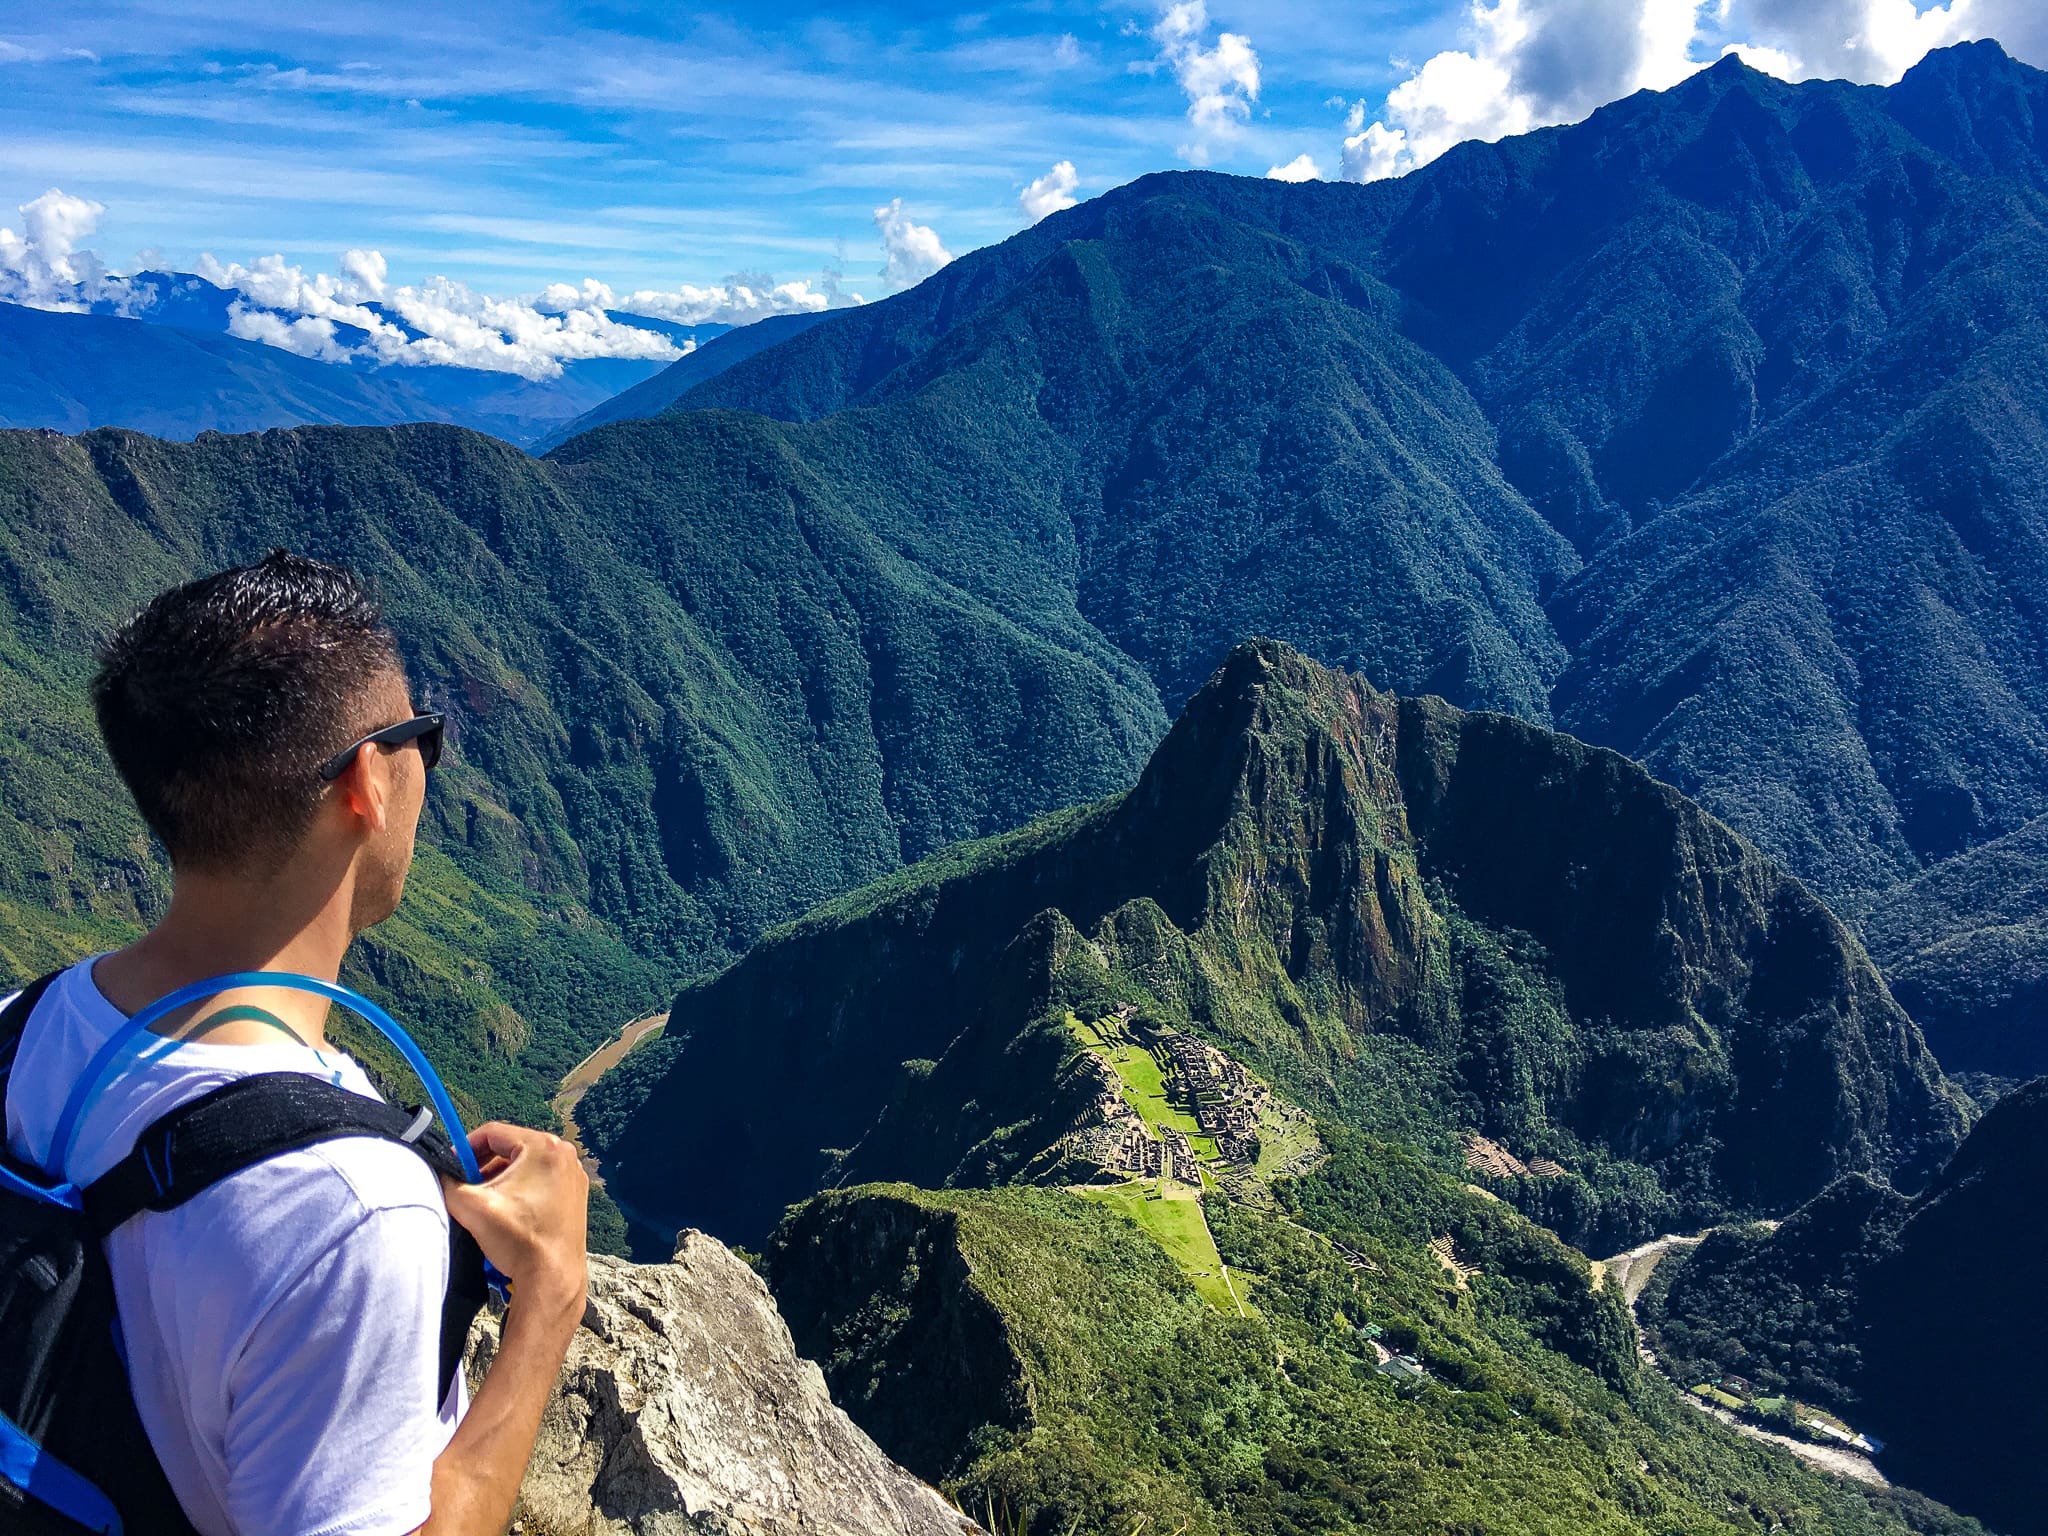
(1631, 1271)
(588, 1071)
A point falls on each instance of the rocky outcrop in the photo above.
(685, 1410)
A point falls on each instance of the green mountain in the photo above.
(1433, 430)
(1139, 1284)
(1965, 946)
(690, 691)
(1055, 1371)
(1919, 1316)
(1766, 356)
(650, 397)
(1409, 919)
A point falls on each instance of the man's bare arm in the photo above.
(528, 1216)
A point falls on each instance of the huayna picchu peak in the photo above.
(1404, 917)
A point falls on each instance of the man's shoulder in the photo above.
(338, 1182)
(272, 1221)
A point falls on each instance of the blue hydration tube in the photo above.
(104, 1058)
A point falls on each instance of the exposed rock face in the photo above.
(684, 1408)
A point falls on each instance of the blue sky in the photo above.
(643, 145)
(517, 145)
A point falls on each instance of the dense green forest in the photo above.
(1056, 1372)
(1420, 923)
(1766, 355)
(1452, 431)
(1965, 947)
(652, 757)
(1710, 431)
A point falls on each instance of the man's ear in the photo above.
(363, 788)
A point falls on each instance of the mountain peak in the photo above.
(1978, 106)
(1460, 920)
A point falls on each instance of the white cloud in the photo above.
(1050, 192)
(1529, 63)
(1301, 168)
(367, 270)
(1871, 41)
(46, 265)
(440, 322)
(740, 300)
(308, 336)
(911, 252)
(1221, 82)
(361, 314)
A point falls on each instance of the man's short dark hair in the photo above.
(221, 699)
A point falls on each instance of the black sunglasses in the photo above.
(424, 729)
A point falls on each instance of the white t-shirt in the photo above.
(283, 1327)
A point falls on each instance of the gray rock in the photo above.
(685, 1410)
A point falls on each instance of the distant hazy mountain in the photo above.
(166, 365)
(653, 396)
(71, 372)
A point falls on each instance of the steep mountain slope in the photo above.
(1919, 1317)
(1054, 1370)
(1965, 946)
(1242, 440)
(1769, 356)
(70, 372)
(688, 697)
(650, 397)
(1012, 511)
(1407, 917)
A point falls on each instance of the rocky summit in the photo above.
(684, 1410)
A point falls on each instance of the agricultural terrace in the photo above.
(1172, 1216)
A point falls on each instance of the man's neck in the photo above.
(217, 924)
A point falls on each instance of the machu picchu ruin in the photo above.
(1170, 1105)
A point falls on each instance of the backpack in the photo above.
(73, 1453)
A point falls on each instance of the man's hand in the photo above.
(529, 1213)
(528, 1216)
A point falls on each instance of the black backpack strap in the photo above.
(253, 1119)
(241, 1124)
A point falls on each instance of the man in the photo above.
(282, 1327)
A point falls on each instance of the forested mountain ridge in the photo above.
(1767, 358)
(679, 710)
(1017, 508)
(1422, 923)
(1965, 947)
(1918, 1317)
(1413, 920)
